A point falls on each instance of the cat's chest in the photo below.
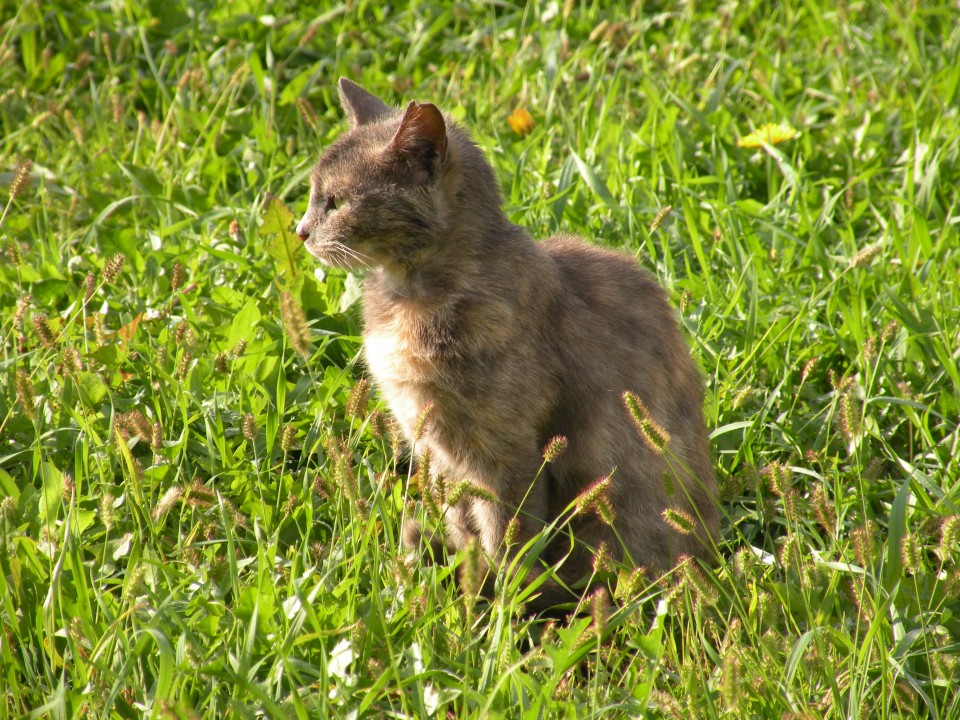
(403, 370)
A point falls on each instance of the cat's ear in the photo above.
(422, 132)
(361, 107)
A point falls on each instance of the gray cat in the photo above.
(512, 343)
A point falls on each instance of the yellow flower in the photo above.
(770, 133)
(520, 121)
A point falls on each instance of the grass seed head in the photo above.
(20, 177)
(357, 402)
(25, 394)
(295, 324)
(730, 681)
(177, 276)
(865, 256)
(183, 366)
(42, 328)
(603, 562)
(72, 362)
(107, 511)
(849, 417)
(14, 253)
(587, 502)
(470, 572)
(308, 114)
(249, 426)
(167, 501)
(679, 520)
(778, 477)
(288, 438)
(112, 268)
(599, 612)
(556, 446)
(659, 218)
(823, 509)
(655, 435)
(911, 553)
(512, 532)
(949, 545)
(423, 421)
(864, 543)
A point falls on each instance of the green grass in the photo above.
(192, 524)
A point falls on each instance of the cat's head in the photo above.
(380, 195)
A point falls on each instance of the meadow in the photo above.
(201, 497)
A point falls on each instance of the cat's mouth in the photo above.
(331, 252)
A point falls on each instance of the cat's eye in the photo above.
(334, 202)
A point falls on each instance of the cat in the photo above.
(508, 343)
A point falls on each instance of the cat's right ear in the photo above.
(361, 107)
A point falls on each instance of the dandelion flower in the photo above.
(768, 134)
(520, 121)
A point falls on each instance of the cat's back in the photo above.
(618, 330)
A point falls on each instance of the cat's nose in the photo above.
(303, 231)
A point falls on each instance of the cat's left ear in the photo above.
(422, 133)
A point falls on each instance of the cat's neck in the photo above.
(471, 246)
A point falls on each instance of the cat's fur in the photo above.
(513, 342)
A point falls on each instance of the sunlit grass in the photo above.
(200, 517)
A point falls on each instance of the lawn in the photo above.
(201, 499)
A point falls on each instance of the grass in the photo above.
(195, 522)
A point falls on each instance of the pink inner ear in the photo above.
(422, 122)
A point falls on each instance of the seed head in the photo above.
(864, 547)
(599, 611)
(249, 426)
(470, 572)
(849, 418)
(107, 513)
(823, 510)
(20, 177)
(865, 256)
(308, 114)
(423, 420)
(377, 424)
(287, 437)
(113, 267)
(357, 402)
(221, 363)
(949, 537)
(173, 493)
(680, 520)
(808, 367)
(177, 275)
(730, 681)
(72, 361)
(89, 287)
(183, 366)
(911, 553)
(512, 532)
(295, 324)
(238, 349)
(603, 559)
(889, 331)
(42, 328)
(25, 395)
(659, 218)
(23, 303)
(652, 432)
(14, 254)
(703, 590)
(778, 477)
(554, 448)
(589, 498)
